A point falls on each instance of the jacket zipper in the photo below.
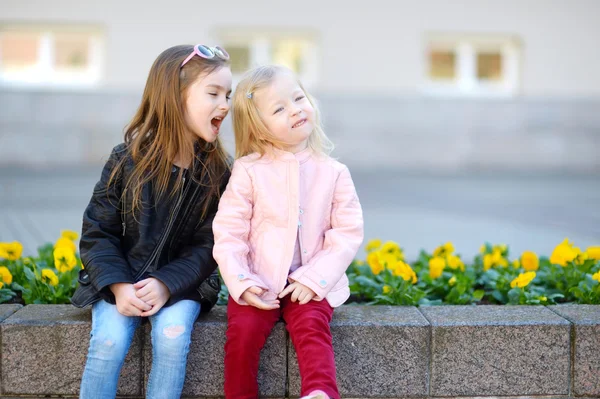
(163, 238)
(123, 212)
(300, 235)
(185, 212)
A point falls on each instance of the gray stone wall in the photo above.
(381, 352)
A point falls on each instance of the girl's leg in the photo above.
(171, 336)
(247, 331)
(111, 337)
(309, 330)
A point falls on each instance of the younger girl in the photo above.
(146, 242)
(288, 226)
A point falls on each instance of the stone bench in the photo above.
(381, 352)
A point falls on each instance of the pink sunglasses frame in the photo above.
(216, 51)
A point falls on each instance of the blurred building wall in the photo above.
(370, 74)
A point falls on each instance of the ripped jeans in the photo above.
(111, 337)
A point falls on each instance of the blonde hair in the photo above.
(251, 134)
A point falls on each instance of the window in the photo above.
(240, 58)
(472, 65)
(59, 55)
(442, 64)
(297, 51)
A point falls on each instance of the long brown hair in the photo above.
(157, 134)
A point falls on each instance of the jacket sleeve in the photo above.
(341, 242)
(100, 244)
(231, 229)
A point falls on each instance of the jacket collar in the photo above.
(301, 156)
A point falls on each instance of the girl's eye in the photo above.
(278, 110)
(299, 98)
(213, 94)
(228, 98)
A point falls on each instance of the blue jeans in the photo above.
(111, 337)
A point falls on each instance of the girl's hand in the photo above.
(300, 293)
(252, 296)
(128, 304)
(153, 292)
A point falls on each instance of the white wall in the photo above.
(367, 47)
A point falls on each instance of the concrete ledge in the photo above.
(8, 310)
(44, 348)
(381, 352)
(205, 368)
(498, 351)
(585, 321)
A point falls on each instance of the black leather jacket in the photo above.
(167, 239)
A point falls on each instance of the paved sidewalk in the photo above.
(533, 212)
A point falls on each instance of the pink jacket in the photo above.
(270, 200)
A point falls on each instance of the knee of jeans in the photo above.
(171, 338)
(108, 347)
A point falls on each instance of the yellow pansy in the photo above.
(530, 261)
(563, 253)
(373, 245)
(488, 261)
(436, 266)
(11, 250)
(502, 248)
(593, 252)
(454, 262)
(449, 247)
(69, 234)
(452, 281)
(64, 259)
(445, 249)
(390, 247)
(516, 264)
(374, 263)
(387, 259)
(65, 242)
(581, 256)
(5, 276)
(49, 277)
(403, 269)
(596, 276)
(496, 255)
(409, 275)
(386, 289)
(522, 280)
(494, 259)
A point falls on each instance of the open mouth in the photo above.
(216, 124)
(299, 123)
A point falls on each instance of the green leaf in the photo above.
(514, 295)
(497, 295)
(478, 294)
(29, 274)
(368, 282)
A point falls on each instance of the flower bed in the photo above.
(384, 277)
(492, 277)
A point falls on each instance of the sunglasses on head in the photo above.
(207, 52)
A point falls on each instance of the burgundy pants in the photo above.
(308, 325)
